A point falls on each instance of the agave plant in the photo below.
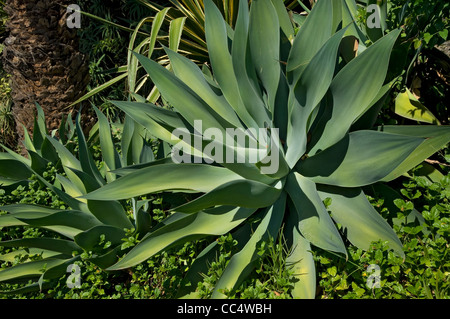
(81, 224)
(265, 77)
(323, 105)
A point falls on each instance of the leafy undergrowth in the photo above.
(375, 273)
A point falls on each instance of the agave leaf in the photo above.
(244, 70)
(283, 18)
(307, 93)
(39, 129)
(90, 238)
(29, 208)
(44, 253)
(189, 73)
(300, 261)
(264, 42)
(242, 193)
(86, 160)
(436, 137)
(32, 269)
(29, 288)
(221, 61)
(68, 160)
(71, 218)
(313, 34)
(242, 263)
(58, 270)
(363, 225)
(181, 97)
(185, 177)
(314, 222)
(217, 221)
(357, 158)
(109, 152)
(167, 121)
(14, 169)
(59, 245)
(408, 106)
(109, 212)
(353, 91)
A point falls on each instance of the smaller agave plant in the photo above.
(81, 225)
(295, 96)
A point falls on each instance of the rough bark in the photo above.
(41, 55)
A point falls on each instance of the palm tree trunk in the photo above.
(41, 55)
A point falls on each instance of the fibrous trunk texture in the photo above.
(41, 55)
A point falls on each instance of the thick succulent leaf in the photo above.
(90, 238)
(264, 41)
(166, 177)
(353, 90)
(14, 169)
(180, 96)
(436, 137)
(9, 154)
(110, 213)
(189, 73)
(313, 34)
(70, 218)
(69, 188)
(221, 62)
(363, 225)
(68, 161)
(32, 269)
(110, 155)
(202, 263)
(158, 121)
(167, 121)
(283, 19)
(307, 93)
(408, 106)
(60, 245)
(29, 208)
(86, 160)
(314, 222)
(44, 253)
(300, 260)
(58, 271)
(242, 193)
(33, 211)
(244, 70)
(217, 221)
(242, 263)
(361, 158)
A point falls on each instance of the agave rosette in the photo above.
(263, 75)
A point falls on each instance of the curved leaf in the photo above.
(314, 222)
(165, 177)
(363, 225)
(70, 218)
(436, 137)
(241, 264)
(217, 221)
(361, 158)
(354, 88)
(242, 193)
